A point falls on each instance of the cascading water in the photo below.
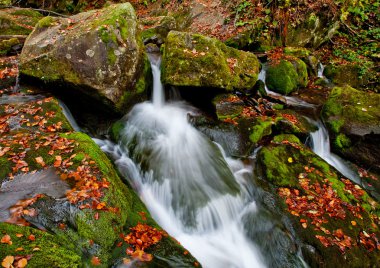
(186, 182)
(320, 143)
(321, 68)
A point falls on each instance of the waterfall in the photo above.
(190, 187)
(320, 144)
(321, 68)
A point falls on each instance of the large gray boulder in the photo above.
(99, 52)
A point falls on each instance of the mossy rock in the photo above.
(359, 76)
(353, 120)
(312, 32)
(193, 60)
(302, 180)
(286, 76)
(298, 52)
(284, 121)
(18, 21)
(6, 45)
(352, 112)
(98, 206)
(45, 250)
(99, 53)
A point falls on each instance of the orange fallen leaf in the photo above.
(22, 263)
(58, 161)
(31, 237)
(19, 235)
(6, 239)
(8, 261)
(95, 261)
(19, 249)
(40, 161)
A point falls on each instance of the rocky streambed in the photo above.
(225, 162)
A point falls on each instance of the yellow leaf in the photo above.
(8, 261)
(290, 160)
(22, 263)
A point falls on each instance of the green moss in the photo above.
(199, 61)
(286, 137)
(116, 129)
(261, 129)
(6, 45)
(45, 22)
(282, 77)
(5, 169)
(54, 70)
(298, 52)
(342, 141)
(347, 106)
(51, 252)
(278, 106)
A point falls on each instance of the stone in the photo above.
(193, 60)
(10, 19)
(353, 119)
(99, 53)
(298, 177)
(286, 75)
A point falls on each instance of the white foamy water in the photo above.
(190, 187)
(321, 146)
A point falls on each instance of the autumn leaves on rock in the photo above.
(332, 213)
(35, 137)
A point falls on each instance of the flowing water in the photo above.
(192, 190)
(320, 143)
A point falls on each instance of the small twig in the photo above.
(349, 28)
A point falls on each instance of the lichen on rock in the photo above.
(99, 52)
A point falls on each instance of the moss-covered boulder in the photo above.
(6, 45)
(353, 118)
(18, 21)
(285, 76)
(84, 226)
(311, 32)
(361, 75)
(335, 219)
(100, 53)
(193, 60)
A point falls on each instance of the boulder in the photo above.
(334, 218)
(68, 187)
(193, 60)
(359, 76)
(18, 21)
(286, 75)
(312, 32)
(99, 53)
(353, 118)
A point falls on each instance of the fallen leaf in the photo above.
(95, 261)
(58, 161)
(8, 261)
(6, 239)
(290, 160)
(31, 237)
(22, 263)
(40, 161)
